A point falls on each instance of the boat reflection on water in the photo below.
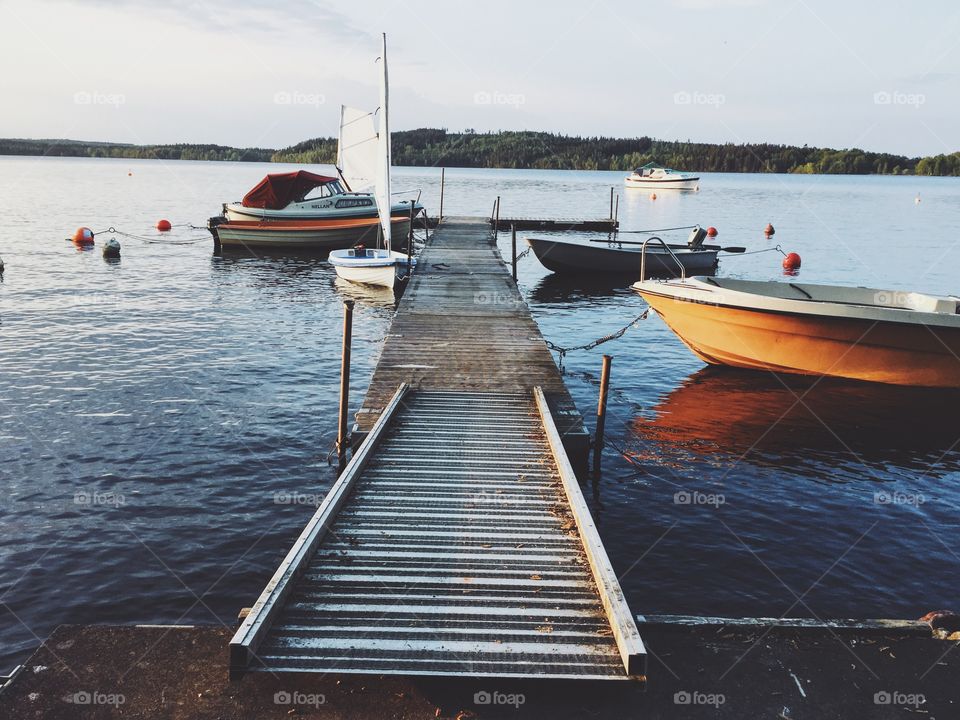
(369, 295)
(725, 414)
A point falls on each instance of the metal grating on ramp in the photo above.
(449, 546)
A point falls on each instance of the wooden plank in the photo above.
(632, 651)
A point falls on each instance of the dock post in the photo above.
(344, 383)
(611, 202)
(616, 212)
(410, 239)
(601, 413)
(443, 174)
(513, 242)
(496, 222)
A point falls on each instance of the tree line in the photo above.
(429, 147)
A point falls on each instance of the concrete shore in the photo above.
(696, 671)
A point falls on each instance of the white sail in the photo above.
(382, 190)
(357, 148)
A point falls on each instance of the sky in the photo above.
(879, 75)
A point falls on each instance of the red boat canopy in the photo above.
(278, 190)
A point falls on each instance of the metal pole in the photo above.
(513, 242)
(611, 202)
(344, 383)
(496, 223)
(410, 238)
(601, 412)
(616, 212)
(443, 174)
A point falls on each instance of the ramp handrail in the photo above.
(632, 651)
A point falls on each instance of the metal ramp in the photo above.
(456, 542)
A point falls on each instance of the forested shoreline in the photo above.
(428, 147)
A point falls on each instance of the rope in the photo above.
(757, 252)
(644, 232)
(526, 252)
(562, 351)
(157, 241)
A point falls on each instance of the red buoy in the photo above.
(83, 236)
(163, 225)
(791, 262)
(768, 230)
(653, 196)
(711, 231)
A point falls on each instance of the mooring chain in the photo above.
(526, 252)
(562, 351)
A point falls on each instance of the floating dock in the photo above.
(456, 542)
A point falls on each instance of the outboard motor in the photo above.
(697, 236)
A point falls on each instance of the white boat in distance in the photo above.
(380, 265)
(653, 176)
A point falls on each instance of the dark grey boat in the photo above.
(570, 257)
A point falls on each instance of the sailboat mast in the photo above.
(385, 153)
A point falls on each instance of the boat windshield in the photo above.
(324, 191)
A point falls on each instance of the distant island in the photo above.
(427, 147)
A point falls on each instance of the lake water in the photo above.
(158, 413)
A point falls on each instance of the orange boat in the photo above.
(887, 336)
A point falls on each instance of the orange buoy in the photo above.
(163, 225)
(653, 196)
(768, 230)
(711, 231)
(83, 236)
(791, 262)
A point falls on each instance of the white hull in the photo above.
(647, 184)
(377, 267)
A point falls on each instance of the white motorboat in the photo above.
(380, 265)
(652, 177)
(309, 211)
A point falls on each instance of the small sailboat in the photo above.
(653, 177)
(887, 336)
(379, 265)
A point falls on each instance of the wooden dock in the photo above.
(463, 325)
(456, 542)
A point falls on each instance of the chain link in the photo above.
(562, 351)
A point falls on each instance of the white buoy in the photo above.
(111, 248)
(916, 200)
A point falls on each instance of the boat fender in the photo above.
(111, 248)
(163, 225)
(791, 261)
(83, 236)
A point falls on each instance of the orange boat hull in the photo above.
(859, 349)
